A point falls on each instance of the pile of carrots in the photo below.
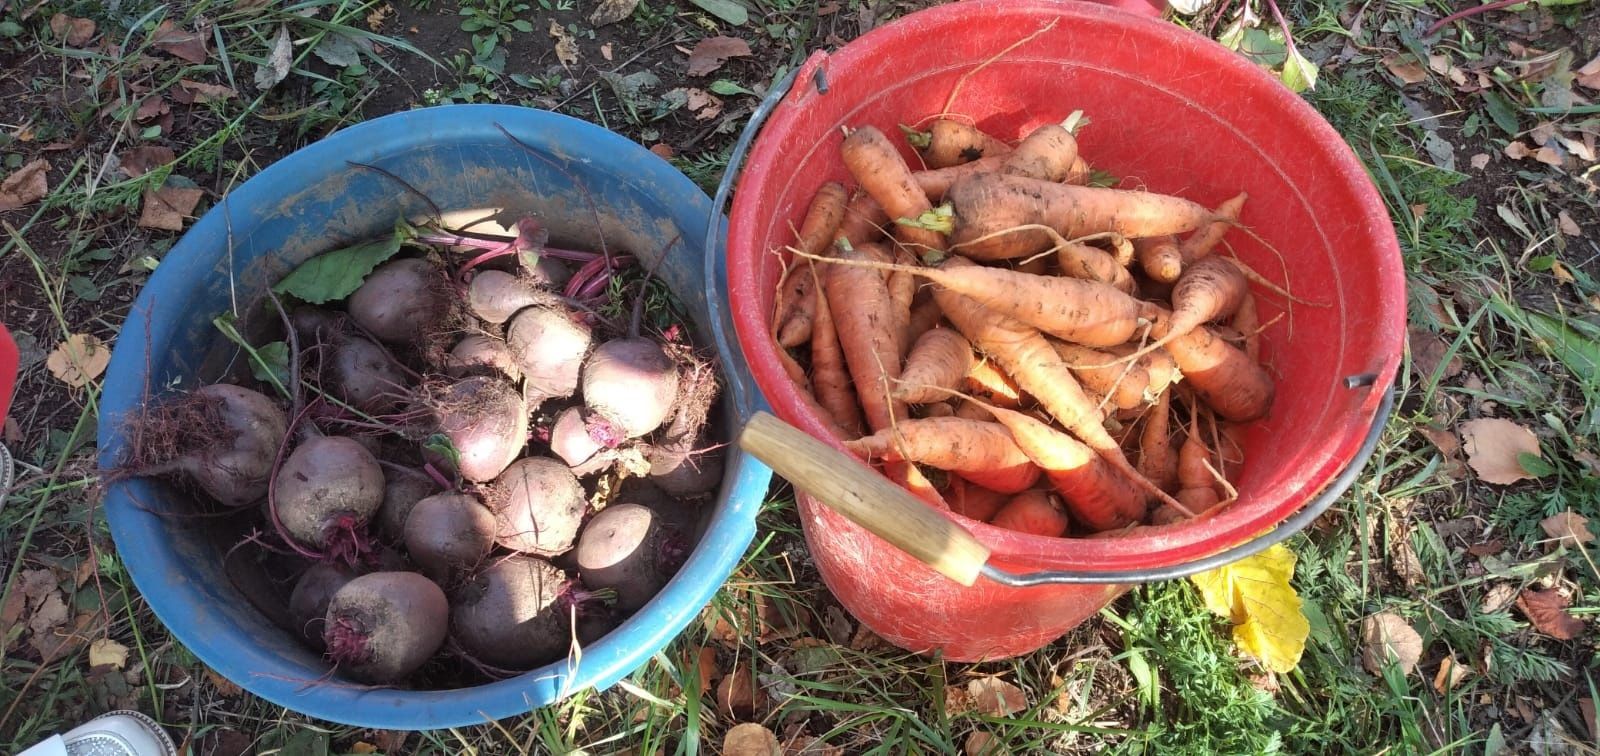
(1010, 342)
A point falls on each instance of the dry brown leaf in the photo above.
(1428, 351)
(705, 105)
(797, 743)
(1542, 133)
(771, 622)
(956, 700)
(1443, 440)
(705, 660)
(566, 46)
(363, 746)
(224, 686)
(76, 32)
(612, 11)
(1583, 148)
(1386, 636)
(1407, 70)
(1547, 611)
(1516, 150)
(1586, 704)
(167, 207)
(1561, 273)
(175, 41)
(1492, 446)
(48, 614)
(1500, 596)
(751, 739)
(1568, 528)
(139, 160)
(1479, 160)
(605, 51)
(25, 186)
(995, 697)
(1487, 548)
(201, 92)
(1589, 74)
(1548, 156)
(1419, 210)
(79, 359)
(663, 150)
(1450, 675)
(391, 741)
(107, 652)
(981, 743)
(737, 694)
(1567, 225)
(709, 53)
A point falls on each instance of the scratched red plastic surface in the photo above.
(1169, 111)
(8, 370)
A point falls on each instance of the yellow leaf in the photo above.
(105, 651)
(1254, 593)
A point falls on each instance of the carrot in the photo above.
(988, 381)
(794, 311)
(793, 370)
(936, 182)
(936, 409)
(879, 169)
(1159, 257)
(1038, 265)
(1048, 153)
(986, 206)
(1200, 243)
(1080, 173)
(953, 143)
(1192, 458)
(1248, 324)
(1198, 500)
(831, 380)
(972, 411)
(902, 289)
(1156, 460)
(865, 335)
(1209, 289)
(979, 450)
(1125, 385)
(1034, 512)
(973, 501)
(1083, 312)
(941, 358)
(1091, 263)
(911, 478)
(925, 315)
(1233, 385)
(863, 221)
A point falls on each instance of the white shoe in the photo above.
(8, 472)
(115, 733)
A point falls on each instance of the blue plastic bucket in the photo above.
(314, 200)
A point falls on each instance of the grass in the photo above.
(1155, 672)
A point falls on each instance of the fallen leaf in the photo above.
(981, 743)
(79, 359)
(1547, 611)
(1568, 528)
(1479, 160)
(704, 661)
(48, 615)
(174, 41)
(12, 432)
(663, 150)
(566, 46)
(750, 739)
(276, 67)
(151, 108)
(605, 51)
(75, 31)
(994, 697)
(1406, 69)
(1443, 440)
(224, 686)
(1583, 149)
(391, 741)
(1428, 351)
(138, 161)
(1493, 445)
(1387, 637)
(1255, 594)
(38, 584)
(866, 640)
(1567, 225)
(737, 694)
(363, 746)
(1450, 675)
(705, 105)
(200, 92)
(1487, 548)
(1499, 597)
(797, 743)
(108, 652)
(1543, 133)
(709, 53)
(1266, 682)
(1588, 75)
(956, 700)
(376, 18)
(1516, 150)
(1561, 273)
(25, 186)
(167, 207)
(1548, 156)
(1586, 704)
(612, 11)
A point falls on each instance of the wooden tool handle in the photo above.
(851, 488)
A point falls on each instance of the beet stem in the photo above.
(438, 477)
(599, 230)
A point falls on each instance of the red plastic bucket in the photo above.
(1170, 111)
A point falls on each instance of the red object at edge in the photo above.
(8, 370)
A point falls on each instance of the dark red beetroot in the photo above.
(402, 489)
(539, 505)
(481, 354)
(495, 295)
(221, 437)
(448, 534)
(632, 384)
(487, 421)
(629, 549)
(308, 603)
(572, 439)
(382, 626)
(549, 345)
(362, 375)
(401, 300)
(326, 491)
(683, 463)
(517, 613)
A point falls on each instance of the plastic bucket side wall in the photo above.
(306, 204)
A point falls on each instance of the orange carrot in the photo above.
(1098, 373)
(1248, 324)
(829, 376)
(1048, 153)
(987, 206)
(1209, 289)
(1192, 458)
(902, 289)
(940, 358)
(1080, 173)
(970, 411)
(1159, 257)
(1200, 243)
(979, 450)
(1034, 512)
(934, 183)
(1199, 500)
(1156, 460)
(1091, 263)
(953, 143)
(1038, 265)
(863, 221)
(875, 164)
(925, 315)
(793, 369)
(989, 382)
(865, 335)
(1229, 382)
(974, 501)
(794, 311)
(936, 409)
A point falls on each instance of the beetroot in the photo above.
(549, 346)
(327, 489)
(539, 506)
(517, 613)
(362, 375)
(487, 421)
(675, 464)
(632, 384)
(382, 626)
(221, 437)
(400, 300)
(448, 533)
(479, 354)
(571, 440)
(308, 604)
(402, 489)
(495, 295)
(629, 549)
